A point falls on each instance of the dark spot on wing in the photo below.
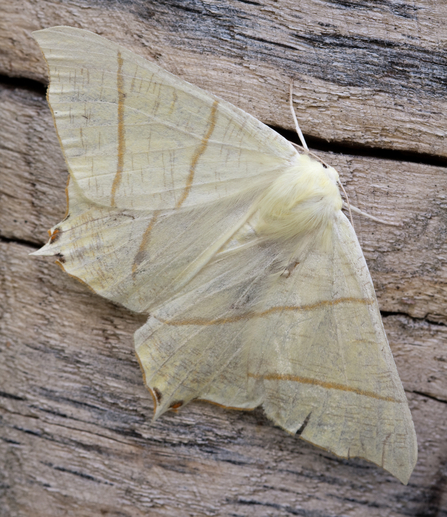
(157, 394)
(304, 425)
(55, 235)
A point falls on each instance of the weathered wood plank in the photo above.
(76, 432)
(366, 73)
(33, 173)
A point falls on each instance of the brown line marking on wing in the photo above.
(153, 393)
(59, 263)
(323, 384)
(227, 407)
(198, 153)
(139, 257)
(173, 103)
(121, 130)
(249, 315)
(67, 197)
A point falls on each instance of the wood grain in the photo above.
(366, 72)
(76, 436)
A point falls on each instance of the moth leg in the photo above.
(289, 269)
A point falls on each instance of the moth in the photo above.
(187, 209)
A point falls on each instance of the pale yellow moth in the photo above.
(186, 208)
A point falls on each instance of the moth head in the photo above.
(332, 174)
(303, 198)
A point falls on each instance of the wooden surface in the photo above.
(76, 432)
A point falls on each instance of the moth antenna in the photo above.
(348, 204)
(358, 211)
(297, 127)
(310, 153)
